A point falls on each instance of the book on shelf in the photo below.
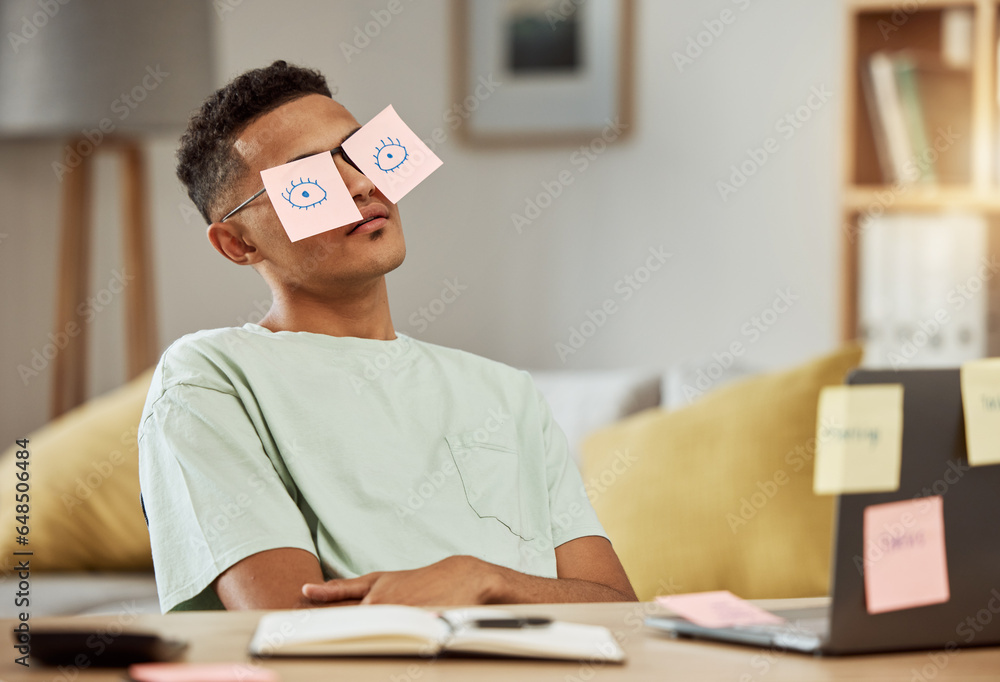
(911, 99)
(386, 630)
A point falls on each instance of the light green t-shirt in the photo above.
(373, 455)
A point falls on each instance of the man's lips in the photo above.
(368, 214)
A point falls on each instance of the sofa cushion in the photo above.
(84, 488)
(718, 495)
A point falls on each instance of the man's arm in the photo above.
(588, 571)
(272, 579)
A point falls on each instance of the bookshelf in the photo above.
(962, 102)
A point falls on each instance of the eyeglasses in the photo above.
(333, 152)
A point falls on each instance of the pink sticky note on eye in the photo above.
(391, 155)
(720, 609)
(905, 564)
(309, 196)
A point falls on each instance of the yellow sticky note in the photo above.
(859, 439)
(981, 405)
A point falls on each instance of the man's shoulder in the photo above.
(201, 357)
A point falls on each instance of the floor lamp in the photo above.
(99, 77)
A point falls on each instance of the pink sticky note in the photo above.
(391, 155)
(309, 196)
(904, 557)
(200, 672)
(720, 609)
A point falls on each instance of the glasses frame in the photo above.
(333, 152)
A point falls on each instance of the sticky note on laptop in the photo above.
(981, 405)
(859, 439)
(721, 609)
(905, 564)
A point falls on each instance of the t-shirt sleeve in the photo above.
(571, 513)
(211, 494)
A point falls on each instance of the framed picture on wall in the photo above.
(541, 71)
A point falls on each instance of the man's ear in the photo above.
(229, 241)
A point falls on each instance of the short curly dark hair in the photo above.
(205, 161)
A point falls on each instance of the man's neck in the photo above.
(363, 314)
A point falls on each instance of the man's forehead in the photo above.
(307, 124)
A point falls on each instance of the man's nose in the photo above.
(357, 182)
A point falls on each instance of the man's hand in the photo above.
(455, 581)
(588, 570)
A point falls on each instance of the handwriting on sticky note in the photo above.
(391, 155)
(904, 563)
(720, 609)
(859, 439)
(309, 196)
(981, 405)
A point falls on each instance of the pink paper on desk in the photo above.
(391, 155)
(200, 672)
(905, 564)
(309, 196)
(720, 609)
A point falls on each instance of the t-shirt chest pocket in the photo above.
(491, 477)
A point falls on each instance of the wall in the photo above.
(525, 291)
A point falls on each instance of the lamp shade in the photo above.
(122, 66)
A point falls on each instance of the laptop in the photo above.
(934, 463)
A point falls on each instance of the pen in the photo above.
(523, 622)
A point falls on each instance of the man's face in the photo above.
(332, 259)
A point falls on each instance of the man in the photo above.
(320, 457)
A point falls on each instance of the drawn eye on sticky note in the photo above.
(309, 196)
(391, 155)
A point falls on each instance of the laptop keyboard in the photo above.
(801, 622)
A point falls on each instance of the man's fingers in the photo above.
(338, 589)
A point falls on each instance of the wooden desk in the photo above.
(223, 636)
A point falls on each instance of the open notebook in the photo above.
(408, 631)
